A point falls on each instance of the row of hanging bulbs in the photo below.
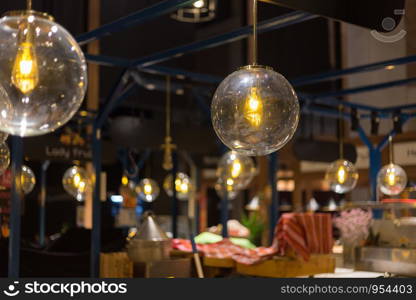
(342, 175)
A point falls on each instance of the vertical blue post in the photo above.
(42, 203)
(96, 207)
(15, 207)
(224, 212)
(274, 206)
(375, 166)
(174, 197)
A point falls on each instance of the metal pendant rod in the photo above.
(255, 55)
(29, 4)
(391, 153)
(341, 131)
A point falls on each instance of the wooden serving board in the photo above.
(283, 267)
(218, 262)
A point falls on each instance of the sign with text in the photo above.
(405, 153)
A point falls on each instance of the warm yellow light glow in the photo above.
(147, 189)
(124, 180)
(25, 72)
(199, 3)
(391, 178)
(236, 169)
(341, 175)
(230, 181)
(184, 187)
(253, 108)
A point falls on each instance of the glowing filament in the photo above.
(236, 169)
(147, 189)
(391, 178)
(124, 180)
(341, 175)
(253, 108)
(25, 72)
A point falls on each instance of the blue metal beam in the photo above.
(235, 35)
(15, 207)
(363, 89)
(274, 212)
(136, 18)
(310, 79)
(113, 101)
(96, 206)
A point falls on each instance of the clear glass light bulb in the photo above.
(229, 187)
(25, 72)
(236, 169)
(76, 182)
(255, 111)
(147, 190)
(341, 176)
(44, 74)
(392, 179)
(28, 179)
(4, 157)
(183, 185)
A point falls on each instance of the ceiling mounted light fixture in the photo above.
(147, 190)
(391, 179)
(255, 110)
(341, 175)
(198, 12)
(76, 182)
(44, 73)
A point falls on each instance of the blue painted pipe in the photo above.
(136, 18)
(274, 206)
(96, 206)
(15, 207)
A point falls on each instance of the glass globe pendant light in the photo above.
(391, 179)
(236, 168)
(76, 182)
(183, 185)
(4, 157)
(341, 175)
(43, 71)
(228, 189)
(255, 110)
(148, 190)
(28, 179)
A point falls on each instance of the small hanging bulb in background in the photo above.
(25, 72)
(199, 3)
(341, 174)
(147, 190)
(391, 179)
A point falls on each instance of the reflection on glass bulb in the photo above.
(253, 108)
(229, 187)
(199, 3)
(341, 175)
(25, 73)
